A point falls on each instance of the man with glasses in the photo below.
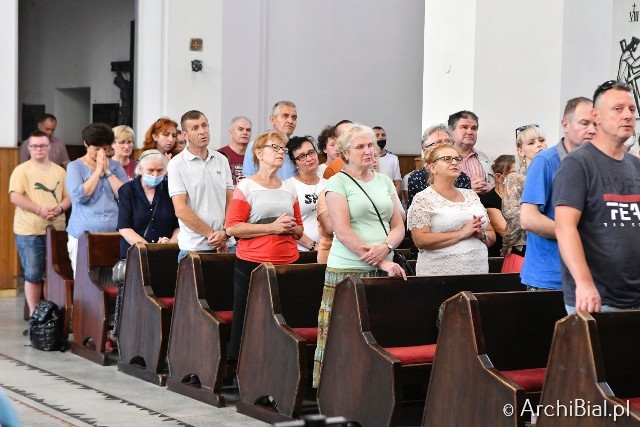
(284, 118)
(240, 132)
(596, 194)
(37, 189)
(541, 267)
(477, 165)
(57, 152)
(200, 186)
(433, 137)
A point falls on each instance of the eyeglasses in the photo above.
(276, 148)
(523, 127)
(39, 147)
(302, 156)
(438, 141)
(609, 84)
(449, 159)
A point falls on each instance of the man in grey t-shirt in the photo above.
(597, 210)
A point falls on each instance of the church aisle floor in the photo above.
(62, 389)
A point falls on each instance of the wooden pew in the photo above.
(594, 358)
(307, 257)
(492, 351)
(147, 304)
(279, 339)
(200, 326)
(381, 341)
(93, 295)
(59, 277)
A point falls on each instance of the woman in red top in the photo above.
(264, 217)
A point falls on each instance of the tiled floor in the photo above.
(62, 389)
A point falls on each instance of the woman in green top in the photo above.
(361, 245)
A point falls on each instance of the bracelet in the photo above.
(312, 247)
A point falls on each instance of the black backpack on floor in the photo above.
(45, 327)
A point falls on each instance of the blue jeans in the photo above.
(184, 252)
(603, 309)
(32, 251)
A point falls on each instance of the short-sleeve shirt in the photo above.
(205, 183)
(541, 266)
(97, 213)
(135, 212)
(308, 200)
(235, 163)
(390, 165)
(254, 204)
(607, 192)
(44, 187)
(362, 216)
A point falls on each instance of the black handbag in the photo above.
(398, 258)
(45, 327)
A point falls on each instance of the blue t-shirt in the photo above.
(97, 213)
(249, 168)
(541, 267)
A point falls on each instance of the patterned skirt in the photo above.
(332, 277)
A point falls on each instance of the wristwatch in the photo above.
(107, 174)
(225, 233)
(388, 246)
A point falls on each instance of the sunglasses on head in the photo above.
(523, 127)
(603, 88)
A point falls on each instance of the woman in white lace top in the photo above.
(449, 225)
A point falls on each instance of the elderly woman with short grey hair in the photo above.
(363, 242)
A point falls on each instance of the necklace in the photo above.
(442, 195)
(499, 192)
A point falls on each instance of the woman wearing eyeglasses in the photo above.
(122, 149)
(308, 185)
(529, 141)
(360, 245)
(449, 225)
(264, 217)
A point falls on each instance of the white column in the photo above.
(512, 63)
(9, 75)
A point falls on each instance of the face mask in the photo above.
(152, 181)
(382, 143)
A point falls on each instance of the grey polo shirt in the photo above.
(205, 182)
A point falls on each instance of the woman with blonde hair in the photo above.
(449, 225)
(363, 241)
(530, 141)
(123, 148)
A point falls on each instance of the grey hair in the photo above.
(150, 155)
(433, 129)
(237, 119)
(347, 136)
(274, 110)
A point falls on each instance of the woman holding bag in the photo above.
(360, 245)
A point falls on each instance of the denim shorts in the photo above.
(32, 253)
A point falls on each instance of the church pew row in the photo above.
(147, 305)
(594, 358)
(201, 324)
(381, 341)
(492, 351)
(279, 340)
(59, 277)
(93, 294)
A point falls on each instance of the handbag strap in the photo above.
(374, 205)
(153, 212)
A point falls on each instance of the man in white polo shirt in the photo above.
(200, 186)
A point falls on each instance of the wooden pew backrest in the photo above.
(217, 277)
(300, 293)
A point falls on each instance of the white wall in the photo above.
(9, 74)
(71, 44)
(359, 60)
(513, 63)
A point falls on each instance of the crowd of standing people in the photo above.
(560, 216)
